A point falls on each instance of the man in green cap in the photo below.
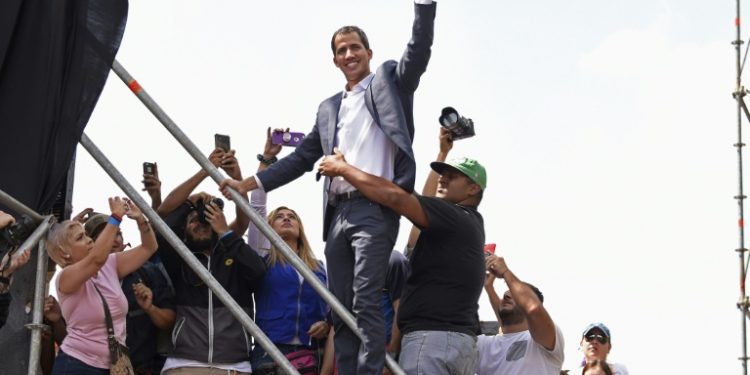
(438, 316)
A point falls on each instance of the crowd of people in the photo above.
(419, 306)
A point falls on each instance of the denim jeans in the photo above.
(67, 365)
(438, 352)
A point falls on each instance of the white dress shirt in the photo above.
(360, 139)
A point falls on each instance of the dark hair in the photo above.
(597, 364)
(536, 291)
(347, 30)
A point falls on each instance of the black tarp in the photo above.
(55, 56)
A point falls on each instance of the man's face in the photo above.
(351, 57)
(454, 186)
(508, 311)
(195, 230)
(592, 345)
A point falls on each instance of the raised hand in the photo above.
(271, 150)
(134, 212)
(215, 217)
(215, 157)
(230, 165)
(118, 206)
(446, 141)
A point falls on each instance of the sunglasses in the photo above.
(602, 339)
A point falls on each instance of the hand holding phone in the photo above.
(291, 139)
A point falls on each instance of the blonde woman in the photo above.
(288, 310)
(86, 267)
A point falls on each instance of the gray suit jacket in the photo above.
(389, 99)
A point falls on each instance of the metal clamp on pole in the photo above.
(188, 256)
(242, 202)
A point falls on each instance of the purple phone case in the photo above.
(294, 139)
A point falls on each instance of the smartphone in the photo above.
(489, 249)
(291, 139)
(149, 168)
(222, 142)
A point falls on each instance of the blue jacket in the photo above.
(285, 308)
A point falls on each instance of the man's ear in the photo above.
(474, 190)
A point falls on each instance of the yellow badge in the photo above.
(228, 262)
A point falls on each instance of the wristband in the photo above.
(116, 216)
(113, 220)
(268, 161)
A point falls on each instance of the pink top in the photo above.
(84, 314)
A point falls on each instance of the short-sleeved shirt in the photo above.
(447, 271)
(84, 313)
(518, 354)
(142, 333)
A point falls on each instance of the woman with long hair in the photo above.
(288, 310)
(89, 274)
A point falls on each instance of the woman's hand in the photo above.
(134, 213)
(118, 206)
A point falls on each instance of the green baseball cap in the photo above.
(469, 167)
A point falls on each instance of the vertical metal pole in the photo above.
(740, 197)
(188, 257)
(259, 222)
(37, 325)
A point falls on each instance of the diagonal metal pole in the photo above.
(19, 207)
(188, 257)
(259, 222)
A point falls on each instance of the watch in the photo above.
(268, 161)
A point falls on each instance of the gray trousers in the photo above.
(438, 353)
(360, 240)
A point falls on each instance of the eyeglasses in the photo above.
(601, 338)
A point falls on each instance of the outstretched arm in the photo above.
(414, 61)
(541, 326)
(131, 260)
(376, 189)
(181, 193)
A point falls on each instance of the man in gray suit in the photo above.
(372, 122)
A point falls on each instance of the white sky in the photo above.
(606, 128)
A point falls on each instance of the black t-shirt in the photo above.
(447, 271)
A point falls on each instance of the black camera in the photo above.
(201, 208)
(459, 126)
(13, 235)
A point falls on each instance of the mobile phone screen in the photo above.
(222, 142)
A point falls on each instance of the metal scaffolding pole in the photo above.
(37, 325)
(259, 222)
(188, 256)
(739, 94)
